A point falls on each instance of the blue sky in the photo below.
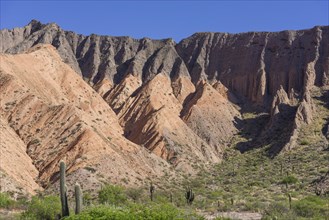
(164, 19)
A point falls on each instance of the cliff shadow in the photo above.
(280, 130)
(250, 129)
(324, 100)
(265, 131)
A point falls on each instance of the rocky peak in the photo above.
(35, 25)
(281, 97)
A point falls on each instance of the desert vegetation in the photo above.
(279, 188)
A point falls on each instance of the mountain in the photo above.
(118, 108)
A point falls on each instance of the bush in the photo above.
(5, 201)
(135, 211)
(103, 212)
(35, 141)
(47, 207)
(112, 194)
(134, 193)
(87, 198)
(289, 180)
(311, 206)
(304, 142)
(279, 210)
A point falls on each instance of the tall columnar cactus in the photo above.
(189, 195)
(289, 196)
(78, 198)
(152, 189)
(63, 190)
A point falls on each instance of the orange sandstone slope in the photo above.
(210, 115)
(17, 173)
(48, 113)
(151, 118)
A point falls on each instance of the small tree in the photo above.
(289, 180)
(5, 201)
(42, 208)
(134, 193)
(112, 194)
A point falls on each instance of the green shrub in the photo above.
(304, 142)
(279, 210)
(112, 194)
(256, 206)
(5, 201)
(289, 180)
(134, 193)
(134, 212)
(103, 212)
(87, 198)
(47, 207)
(311, 206)
(35, 141)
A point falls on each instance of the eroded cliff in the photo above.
(106, 101)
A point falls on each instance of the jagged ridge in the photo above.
(182, 101)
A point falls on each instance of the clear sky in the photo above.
(164, 19)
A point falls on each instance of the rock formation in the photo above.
(49, 113)
(118, 104)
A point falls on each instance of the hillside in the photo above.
(130, 111)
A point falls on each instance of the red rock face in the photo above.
(256, 65)
(252, 65)
(48, 113)
(118, 98)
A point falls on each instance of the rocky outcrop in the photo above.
(326, 131)
(99, 58)
(321, 185)
(256, 65)
(141, 101)
(213, 123)
(50, 114)
(151, 118)
(281, 98)
(252, 65)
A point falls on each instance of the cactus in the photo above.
(189, 195)
(78, 198)
(289, 196)
(287, 174)
(63, 190)
(152, 188)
